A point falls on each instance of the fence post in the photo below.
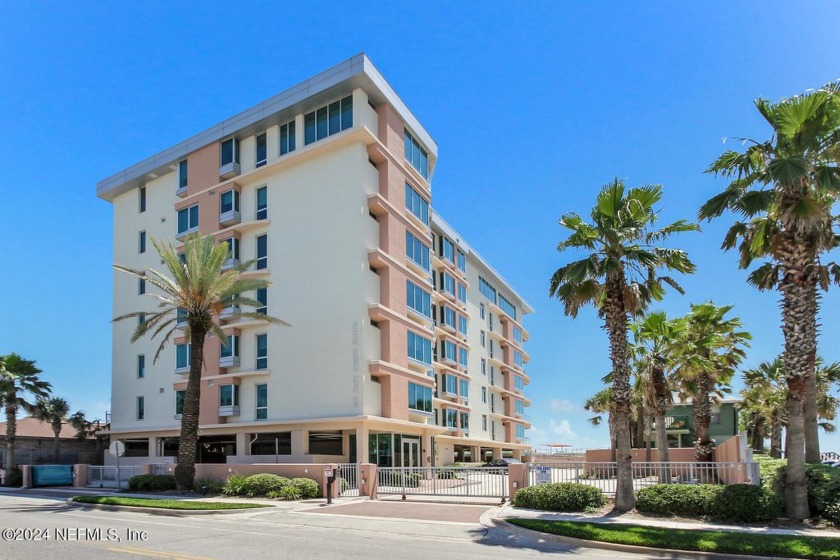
(517, 478)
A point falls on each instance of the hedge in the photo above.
(152, 482)
(263, 483)
(823, 483)
(564, 496)
(736, 502)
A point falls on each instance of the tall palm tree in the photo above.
(199, 289)
(619, 276)
(655, 342)
(19, 382)
(712, 348)
(53, 411)
(763, 405)
(784, 189)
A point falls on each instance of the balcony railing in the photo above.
(675, 423)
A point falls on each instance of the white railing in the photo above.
(602, 475)
(111, 477)
(162, 468)
(444, 481)
(348, 474)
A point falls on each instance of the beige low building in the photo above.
(405, 346)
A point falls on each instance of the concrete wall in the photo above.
(313, 471)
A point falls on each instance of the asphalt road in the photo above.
(71, 533)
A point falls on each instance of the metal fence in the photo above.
(348, 474)
(111, 477)
(444, 481)
(162, 468)
(603, 475)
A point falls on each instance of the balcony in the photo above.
(182, 370)
(232, 410)
(525, 440)
(181, 235)
(230, 218)
(181, 192)
(229, 170)
(676, 423)
(230, 313)
(232, 262)
(229, 361)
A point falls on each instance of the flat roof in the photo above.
(355, 72)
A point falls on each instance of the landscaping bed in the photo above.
(183, 505)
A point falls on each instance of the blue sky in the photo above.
(534, 106)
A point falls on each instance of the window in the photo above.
(520, 407)
(141, 366)
(463, 357)
(287, 138)
(447, 283)
(141, 408)
(485, 288)
(518, 383)
(230, 152)
(462, 261)
(141, 242)
(141, 193)
(328, 120)
(419, 348)
(262, 252)
(462, 293)
(447, 249)
(141, 318)
(518, 359)
(449, 351)
(484, 422)
(483, 339)
(326, 443)
(179, 401)
(520, 431)
(416, 155)
(417, 251)
(419, 398)
(230, 347)
(262, 401)
(507, 306)
(465, 389)
(481, 310)
(483, 366)
(181, 317)
(465, 421)
(418, 299)
(262, 203)
(141, 286)
(233, 247)
(262, 150)
(462, 325)
(517, 334)
(262, 297)
(229, 202)
(451, 418)
(183, 353)
(262, 351)
(182, 174)
(447, 316)
(278, 443)
(188, 220)
(229, 395)
(484, 394)
(416, 204)
(492, 375)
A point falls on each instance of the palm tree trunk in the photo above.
(703, 444)
(56, 441)
(812, 435)
(11, 433)
(185, 469)
(616, 322)
(663, 395)
(758, 434)
(776, 436)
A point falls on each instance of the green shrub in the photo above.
(736, 502)
(445, 474)
(290, 493)
(151, 482)
(565, 496)
(234, 485)
(823, 483)
(263, 483)
(14, 478)
(212, 485)
(832, 512)
(307, 488)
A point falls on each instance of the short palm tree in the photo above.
(19, 382)
(599, 404)
(53, 411)
(712, 348)
(763, 405)
(619, 275)
(196, 289)
(784, 189)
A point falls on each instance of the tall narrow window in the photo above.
(416, 155)
(141, 366)
(262, 297)
(262, 203)
(183, 353)
(262, 401)
(141, 408)
(141, 192)
(141, 242)
(229, 202)
(416, 204)
(287, 138)
(262, 351)
(230, 347)
(188, 220)
(182, 174)
(462, 261)
(179, 401)
(262, 150)
(262, 252)
(230, 151)
(229, 395)
(417, 251)
(141, 286)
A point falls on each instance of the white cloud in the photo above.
(563, 405)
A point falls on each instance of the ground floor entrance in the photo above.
(394, 450)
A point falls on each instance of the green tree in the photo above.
(196, 289)
(53, 411)
(712, 348)
(783, 189)
(763, 405)
(619, 276)
(19, 382)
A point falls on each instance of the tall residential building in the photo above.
(405, 346)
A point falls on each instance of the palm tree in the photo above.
(602, 403)
(712, 348)
(53, 411)
(619, 276)
(763, 405)
(784, 189)
(196, 289)
(19, 381)
(655, 342)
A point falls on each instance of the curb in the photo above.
(164, 511)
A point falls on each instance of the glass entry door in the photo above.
(411, 452)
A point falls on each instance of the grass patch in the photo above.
(162, 504)
(785, 546)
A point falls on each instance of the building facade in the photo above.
(404, 348)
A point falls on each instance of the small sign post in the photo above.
(329, 472)
(116, 449)
(543, 475)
